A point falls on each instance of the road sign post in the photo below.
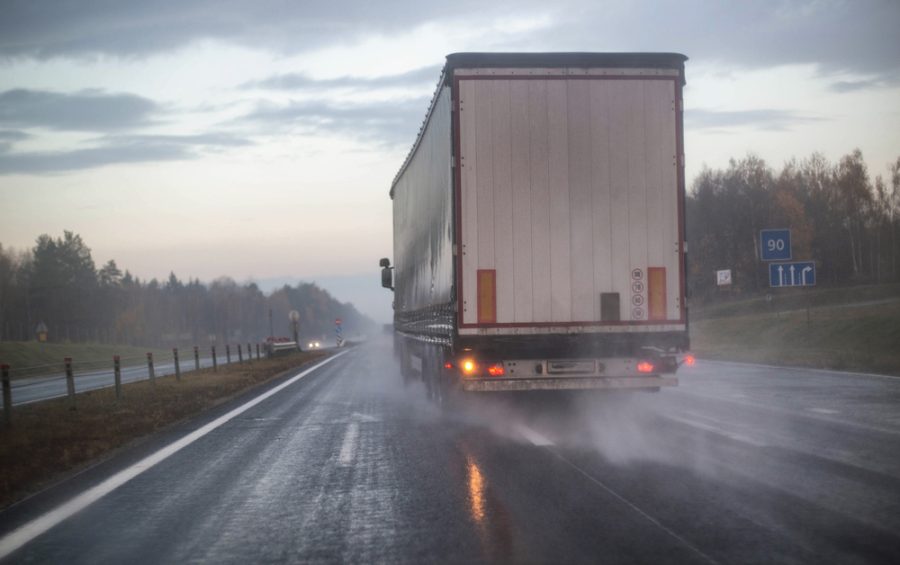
(775, 245)
(798, 273)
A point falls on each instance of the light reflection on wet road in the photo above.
(739, 464)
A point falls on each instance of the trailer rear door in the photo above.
(570, 198)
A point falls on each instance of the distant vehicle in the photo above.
(314, 345)
(539, 225)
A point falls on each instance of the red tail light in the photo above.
(496, 370)
(645, 367)
(690, 360)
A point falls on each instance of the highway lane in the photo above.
(740, 464)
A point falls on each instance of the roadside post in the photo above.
(70, 383)
(240, 354)
(177, 366)
(196, 358)
(150, 370)
(338, 333)
(249, 353)
(784, 271)
(215, 361)
(295, 326)
(7, 395)
(117, 372)
(228, 353)
(257, 351)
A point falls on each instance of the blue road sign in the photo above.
(775, 245)
(799, 273)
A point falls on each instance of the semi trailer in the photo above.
(538, 226)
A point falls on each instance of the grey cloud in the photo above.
(837, 35)
(87, 110)
(118, 149)
(765, 119)
(47, 28)
(843, 86)
(385, 122)
(12, 135)
(297, 81)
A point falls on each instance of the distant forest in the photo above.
(58, 284)
(838, 216)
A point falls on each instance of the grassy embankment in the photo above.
(49, 440)
(49, 356)
(846, 329)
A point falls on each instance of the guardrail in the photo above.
(25, 385)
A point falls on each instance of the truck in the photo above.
(538, 226)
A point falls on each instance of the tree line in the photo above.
(57, 284)
(838, 216)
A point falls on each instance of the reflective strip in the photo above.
(487, 296)
(656, 293)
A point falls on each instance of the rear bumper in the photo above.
(566, 383)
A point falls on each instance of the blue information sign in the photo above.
(775, 245)
(799, 273)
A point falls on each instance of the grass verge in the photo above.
(849, 337)
(48, 440)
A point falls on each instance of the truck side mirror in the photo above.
(385, 262)
(387, 277)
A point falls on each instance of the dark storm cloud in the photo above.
(118, 149)
(766, 119)
(297, 81)
(386, 122)
(88, 110)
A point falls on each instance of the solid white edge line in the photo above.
(24, 534)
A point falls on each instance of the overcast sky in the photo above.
(258, 139)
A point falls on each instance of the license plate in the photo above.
(573, 366)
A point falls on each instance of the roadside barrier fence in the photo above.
(26, 385)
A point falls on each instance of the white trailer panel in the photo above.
(569, 198)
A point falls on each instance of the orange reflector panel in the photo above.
(645, 367)
(487, 296)
(496, 370)
(656, 293)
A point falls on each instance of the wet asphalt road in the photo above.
(740, 464)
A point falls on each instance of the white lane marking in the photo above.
(636, 508)
(532, 436)
(824, 411)
(348, 448)
(16, 539)
(718, 431)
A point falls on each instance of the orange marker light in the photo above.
(690, 360)
(469, 367)
(496, 370)
(645, 367)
